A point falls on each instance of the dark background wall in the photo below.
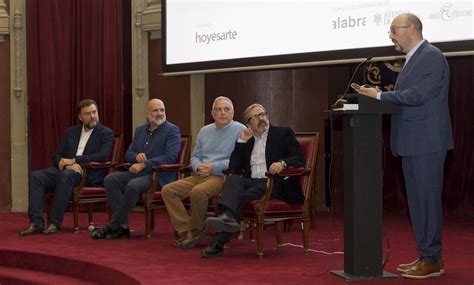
(173, 90)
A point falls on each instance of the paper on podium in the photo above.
(347, 107)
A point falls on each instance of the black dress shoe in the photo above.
(52, 229)
(32, 230)
(119, 233)
(101, 233)
(223, 223)
(214, 249)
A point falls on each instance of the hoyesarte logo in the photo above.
(213, 37)
(449, 11)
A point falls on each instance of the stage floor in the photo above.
(158, 261)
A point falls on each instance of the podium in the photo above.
(362, 183)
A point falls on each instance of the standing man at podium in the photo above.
(421, 135)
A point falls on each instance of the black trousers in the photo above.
(237, 192)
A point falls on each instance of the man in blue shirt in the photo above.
(156, 142)
(211, 155)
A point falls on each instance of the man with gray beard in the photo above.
(261, 148)
(156, 142)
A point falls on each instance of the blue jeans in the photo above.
(61, 183)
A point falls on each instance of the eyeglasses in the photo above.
(393, 29)
(257, 116)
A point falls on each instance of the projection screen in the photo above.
(223, 35)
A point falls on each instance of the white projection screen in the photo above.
(223, 35)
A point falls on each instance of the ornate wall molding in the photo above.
(140, 90)
(4, 20)
(151, 19)
(19, 106)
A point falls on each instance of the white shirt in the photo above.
(83, 141)
(258, 163)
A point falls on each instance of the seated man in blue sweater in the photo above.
(214, 144)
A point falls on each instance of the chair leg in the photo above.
(89, 215)
(152, 221)
(306, 224)
(278, 230)
(75, 209)
(148, 223)
(252, 231)
(260, 238)
(242, 229)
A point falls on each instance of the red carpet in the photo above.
(77, 259)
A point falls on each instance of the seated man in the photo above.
(156, 142)
(87, 142)
(211, 154)
(260, 148)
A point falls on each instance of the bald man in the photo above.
(421, 135)
(155, 142)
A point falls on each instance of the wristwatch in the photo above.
(283, 163)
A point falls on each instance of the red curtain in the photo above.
(74, 52)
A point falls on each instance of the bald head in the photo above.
(156, 113)
(413, 20)
(406, 32)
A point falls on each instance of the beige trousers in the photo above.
(199, 190)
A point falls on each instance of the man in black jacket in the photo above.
(83, 143)
(261, 148)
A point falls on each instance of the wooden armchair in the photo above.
(267, 210)
(152, 200)
(91, 195)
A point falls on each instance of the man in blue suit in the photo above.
(156, 142)
(87, 142)
(421, 135)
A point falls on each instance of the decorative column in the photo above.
(4, 21)
(140, 90)
(19, 107)
(146, 24)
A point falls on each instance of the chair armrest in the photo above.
(168, 167)
(122, 167)
(97, 165)
(298, 171)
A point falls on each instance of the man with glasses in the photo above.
(260, 148)
(421, 135)
(211, 154)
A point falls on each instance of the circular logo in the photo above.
(447, 12)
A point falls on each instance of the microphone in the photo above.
(354, 73)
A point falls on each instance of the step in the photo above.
(19, 276)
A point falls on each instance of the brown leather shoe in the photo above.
(52, 229)
(32, 230)
(403, 268)
(423, 269)
(179, 238)
(193, 238)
